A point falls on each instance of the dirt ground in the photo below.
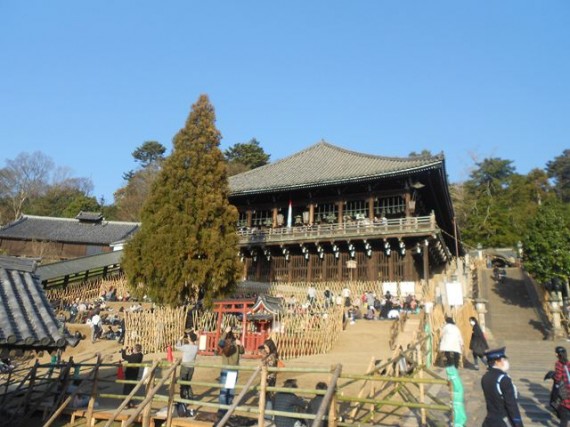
(355, 349)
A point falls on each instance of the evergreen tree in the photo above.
(242, 157)
(487, 216)
(148, 153)
(559, 170)
(60, 201)
(546, 244)
(187, 244)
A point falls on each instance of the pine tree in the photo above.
(187, 244)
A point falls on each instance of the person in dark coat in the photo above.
(287, 401)
(478, 344)
(316, 401)
(500, 392)
(131, 372)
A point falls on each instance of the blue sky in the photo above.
(86, 82)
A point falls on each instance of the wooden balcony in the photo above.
(363, 229)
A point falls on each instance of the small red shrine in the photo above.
(256, 317)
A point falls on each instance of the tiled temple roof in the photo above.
(27, 319)
(71, 230)
(324, 164)
(78, 265)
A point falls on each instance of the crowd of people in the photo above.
(370, 306)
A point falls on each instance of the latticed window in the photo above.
(389, 206)
(326, 213)
(242, 220)
(262, 218)
(356, 209)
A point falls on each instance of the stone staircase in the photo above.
(514, 320)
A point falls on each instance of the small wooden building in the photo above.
(55, 239)
(330, 214)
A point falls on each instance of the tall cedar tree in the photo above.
(187, 244)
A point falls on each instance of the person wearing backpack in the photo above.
(561, 378)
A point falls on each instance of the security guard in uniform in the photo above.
(500, 392)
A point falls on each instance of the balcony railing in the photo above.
(358, 229)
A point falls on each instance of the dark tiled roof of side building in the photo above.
(78, 265)
(27, 319)
(325, 164)
(70, 230)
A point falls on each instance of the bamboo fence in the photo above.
(461, 317)
(207, 321)
(87, 291)
(299, 289)
(119, 283)
(307, 333)
(297, 333)
(155, 329)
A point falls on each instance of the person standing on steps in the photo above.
(500, 392)
(451, 344)
(561, 377)
(478, 344)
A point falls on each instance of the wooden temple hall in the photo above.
(330, 214)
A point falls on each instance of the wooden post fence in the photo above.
(150, 395)
(328, 397)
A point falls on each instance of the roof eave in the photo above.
(401, 172)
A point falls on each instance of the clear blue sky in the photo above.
(86, 82)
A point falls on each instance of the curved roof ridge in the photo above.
(324, 164)
(57, 218)
(50, 218)
(437, 157)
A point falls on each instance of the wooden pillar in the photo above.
(422, 385)
(274, 218)
(371, 208)
(258, 267)
(93, 394)
(171, 390)
(391, 266)
(426, 263)
(407, 198)
(290, 268)
(340, 211)
(311, 213)
(271, 270)
(370, 266)
(309, 274)
(262, 394)
(148, 394)
(248, 216)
